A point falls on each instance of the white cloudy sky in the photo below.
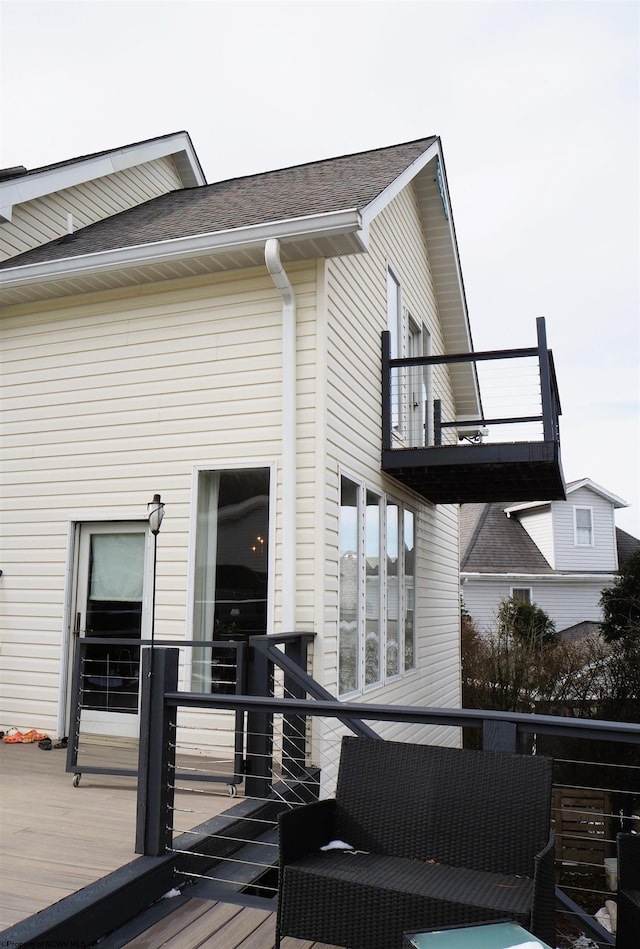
(537, 104)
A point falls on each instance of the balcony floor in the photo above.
(461, 474)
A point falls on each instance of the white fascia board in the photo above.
(525, 506)
(542, 577)
(597, 489)
(393, 190)
(32, 186)
(314, 226)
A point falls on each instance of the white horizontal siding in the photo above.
(539, 524)
(106, 400)
(566, 601)
(569, 555)
(45, 219)
(356, 308)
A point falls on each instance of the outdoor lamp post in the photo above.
(155, 513)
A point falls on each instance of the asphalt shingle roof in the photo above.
(491, 542)
(350, 181)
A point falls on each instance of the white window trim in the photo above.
(583, 507)
(521, 587)
(226, 465)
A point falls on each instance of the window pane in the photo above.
(348, 664)
(409, 590)
(231, 570)
(393, 591)
(521, 594)
(583, 526)
(372, 618)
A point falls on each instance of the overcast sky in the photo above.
(538, 108)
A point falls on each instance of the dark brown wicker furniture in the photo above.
(442, 837)
(628, 929)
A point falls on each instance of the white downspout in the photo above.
(289, 405)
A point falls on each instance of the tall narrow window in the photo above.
(394, 325)
(409, 590)
(583, 520)
(393, 314)
(372, 639)
(393, 591)
(348, 652)
(231, 568)
(376, 633)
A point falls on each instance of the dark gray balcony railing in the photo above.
(476, 426)
(294, 773)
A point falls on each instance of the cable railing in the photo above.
(292, 736)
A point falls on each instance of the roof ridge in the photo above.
(430, 139)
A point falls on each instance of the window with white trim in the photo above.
(521, 594)
(583, 526)
(376, 638)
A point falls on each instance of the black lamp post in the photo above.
(155, 513)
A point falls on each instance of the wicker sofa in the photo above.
(439, 837)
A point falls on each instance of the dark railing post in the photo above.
(549, 426)
(386, 390)
(259, 763)
(294, 744)
(156, 753)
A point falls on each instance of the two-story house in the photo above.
(286, 358)
(557, 554)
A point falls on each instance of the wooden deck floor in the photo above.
(56, 838)
(202, 924)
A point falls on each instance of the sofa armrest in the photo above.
(544, 901)
(305, 829)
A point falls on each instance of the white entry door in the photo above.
(108, 604)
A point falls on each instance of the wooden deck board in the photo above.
(201, 924)
(56, 839)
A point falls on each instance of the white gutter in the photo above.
(312, 226)
(547, 577)
(289, 558)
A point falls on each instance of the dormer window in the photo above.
(583, 526)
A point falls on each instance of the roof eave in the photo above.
(30, 186)
(318, 228)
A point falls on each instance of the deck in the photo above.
(56, 839)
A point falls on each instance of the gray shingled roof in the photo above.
(351, 181)
(491, 542)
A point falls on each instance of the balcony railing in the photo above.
(293, 730)
(480, 426)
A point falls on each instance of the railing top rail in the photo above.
(524, 722)
(283, 637)
(446, 359)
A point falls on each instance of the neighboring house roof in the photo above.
(18, 185)
(491, 542)
(627, 545)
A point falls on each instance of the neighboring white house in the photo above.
(222, 345)
(559, 555)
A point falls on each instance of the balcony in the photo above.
(473, 427)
